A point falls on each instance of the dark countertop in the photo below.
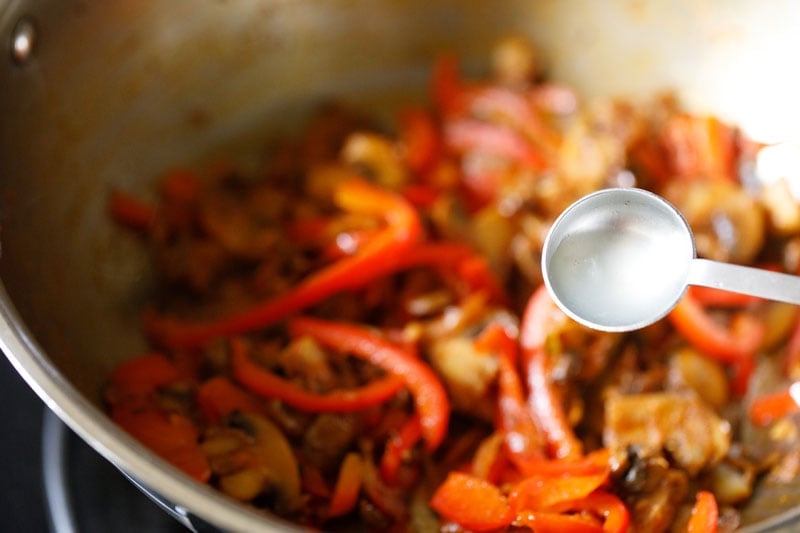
(101, 499)
(22, 505)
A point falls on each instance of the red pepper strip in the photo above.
(548, 411)
(791, 364)
(171, 436)
(266, 384)
(313, 481)
(523, 442)
(419, 138)
(770, 407)
(467, 134)
(517, 109)
(719, 151)
(648, 158)
(398, 446)
(727, 345)
(421, 196)
(741, 372)
(447, 86)
(131, 212)
(547, 522)
(709, 296)
(140, 376)
(616, 517)
(309, 228)
(348, 485)
(218, 397)
(180, 190)
(348, 243)
(430, 397)
(555, 98)
(595, 462)
(470, 267)
(377, 258)
(488, 461)
(478, 274)
(481, 187)
(539, 493)
(390, 500)
(705, 514)
(180, 186)
(471, 502)
(699, 147)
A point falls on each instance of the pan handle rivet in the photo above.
(23, 40)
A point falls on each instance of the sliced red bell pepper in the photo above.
(465, 263)
(768, 408)
(709, 296)
(133, 406)
(705, 514)
(547, 522)
(170, 435)
(180, 186)
(390, 500)
(471, 502)
(447, 86)
(348, 485)
(264, 383)
(398, 446)
(132, 212)
(524, 444)
(555, 98)
(467, 134)
(309, 229)
(218, 397)
(543, 493)
(700, 147)
(478, 275)
(609, 507)
(739, 341)
(489, 461)
(791, 356)
(430, 396)
(420, 195)
(374, 260)
(348, 243)
(741, 373)
(517, 108)
(142, 375)
(313, 481)
(419, 139)
(540, 315)
(592, 463)
(180, 190)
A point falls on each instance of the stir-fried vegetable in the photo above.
(431, 379)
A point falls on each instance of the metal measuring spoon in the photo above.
(621, 259)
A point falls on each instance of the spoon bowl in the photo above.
(620, 259)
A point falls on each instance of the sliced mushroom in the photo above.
(467, 373)
(251, 457)
(728, 224)
(682, 425)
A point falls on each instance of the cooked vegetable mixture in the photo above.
(356, 337)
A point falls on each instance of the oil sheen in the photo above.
(618, 277)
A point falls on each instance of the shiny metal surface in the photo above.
(618, 259)
(114, 92)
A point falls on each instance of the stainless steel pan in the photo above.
(97, 94)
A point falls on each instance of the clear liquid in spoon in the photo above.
(619, 273)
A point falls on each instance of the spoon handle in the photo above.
(745, 280)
